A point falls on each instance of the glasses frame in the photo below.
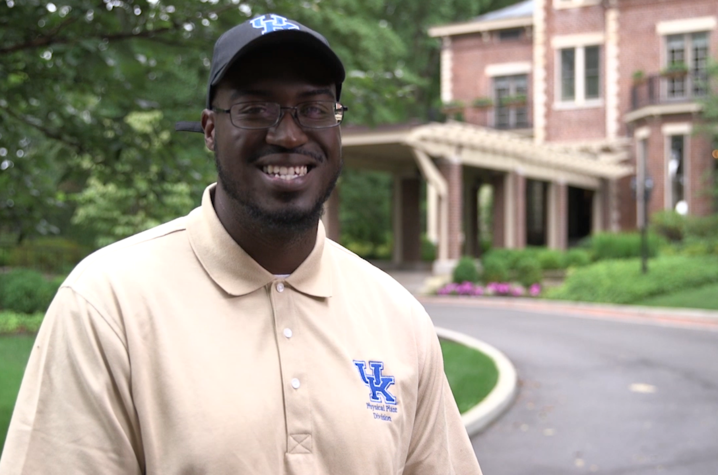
(338, 108)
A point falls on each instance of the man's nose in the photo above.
(287, 133)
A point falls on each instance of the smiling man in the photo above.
(239, 339)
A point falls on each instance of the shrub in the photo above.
(621, 281)
(577, 258)
(428, 249)
(622, 246)
(529, 271)
(50, 254)
(12, 322)
(702, 227)
(466, 271)
(495, 269)
(26, 291)
(669, 224)
(550, 259)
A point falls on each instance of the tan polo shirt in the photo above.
(173, 352)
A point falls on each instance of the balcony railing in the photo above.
(663, 89)
(506, 117)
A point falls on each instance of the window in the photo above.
(509, 35)
(676, 174)
(691, 52)
(580, 70)
(511, 101)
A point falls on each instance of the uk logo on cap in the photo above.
(275, 23)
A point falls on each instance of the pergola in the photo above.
(454, 157)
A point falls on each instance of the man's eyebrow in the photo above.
(248, 92)
(318, 92)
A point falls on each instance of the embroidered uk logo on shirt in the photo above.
(381, 402)
(274, 23)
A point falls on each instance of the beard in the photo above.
(288, 220)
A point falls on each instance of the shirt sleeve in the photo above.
(74, 413)
(439, 443)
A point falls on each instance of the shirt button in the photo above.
(280, 287)
(288, 332)
(296, 383)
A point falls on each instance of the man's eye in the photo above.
(252, 110)
(315, 110)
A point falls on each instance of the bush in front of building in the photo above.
(551, 259)
(13, 322)
(465, 271)
(27, 291)
(576, 258)
(529, 272)
(54, 255)
(495, 269)
(606, 246)
(621, 281)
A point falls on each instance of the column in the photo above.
(499, 207)
(411, 219)
(520, 205)
(451, 170)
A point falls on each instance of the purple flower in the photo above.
(478, 290)
(517, 291)
(535, 290)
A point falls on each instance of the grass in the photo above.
(14, 353)
(705, 297)
(471, 374)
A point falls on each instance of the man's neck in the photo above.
(279, 251)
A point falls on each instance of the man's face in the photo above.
(247, 160)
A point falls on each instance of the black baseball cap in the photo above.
(264, 31)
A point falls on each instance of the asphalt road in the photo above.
(596, 395)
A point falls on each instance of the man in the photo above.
(238, 339)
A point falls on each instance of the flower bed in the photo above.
(506, 289)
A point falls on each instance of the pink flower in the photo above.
(534, 290)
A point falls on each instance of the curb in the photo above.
(664, 315)
(500, 398)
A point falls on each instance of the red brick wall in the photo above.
(471, 55)
(574, 124)
(641, 48)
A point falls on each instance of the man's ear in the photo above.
(208, 127)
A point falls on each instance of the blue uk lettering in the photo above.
(377, 383)
(274, 23)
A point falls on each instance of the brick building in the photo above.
(563, 105)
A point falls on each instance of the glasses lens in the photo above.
(254, 115)
(317, 114)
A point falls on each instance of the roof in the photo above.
(522, 9)
(514, 16)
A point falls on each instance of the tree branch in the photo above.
(47, 132)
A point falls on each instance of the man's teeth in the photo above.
(285, 173)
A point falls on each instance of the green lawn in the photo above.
(471, 374)
(14, 352)
(705, 297)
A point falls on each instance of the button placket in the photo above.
(291, 360)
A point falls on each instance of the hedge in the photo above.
(621, 281)
(13, 322)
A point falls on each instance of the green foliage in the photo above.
(550, 259)
(576, 258)
(13, 322)
(14, 353)
(465, 271)
(365, 213)
(528, 271)
(471, 374)
(428, 249)
(621, 246)
(704, 297)
(26, 291)
(50, 254)
(621, 281)
(669, 224)
(495, 269)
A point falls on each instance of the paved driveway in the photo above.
(608, 396)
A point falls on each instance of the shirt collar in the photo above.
(236, 272)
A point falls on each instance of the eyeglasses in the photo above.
(264, 115)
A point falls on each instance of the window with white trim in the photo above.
(579, 74)
(511, 101)
(691, 51)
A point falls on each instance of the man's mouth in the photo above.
(285, 173)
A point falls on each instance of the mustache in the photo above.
(276, 149)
